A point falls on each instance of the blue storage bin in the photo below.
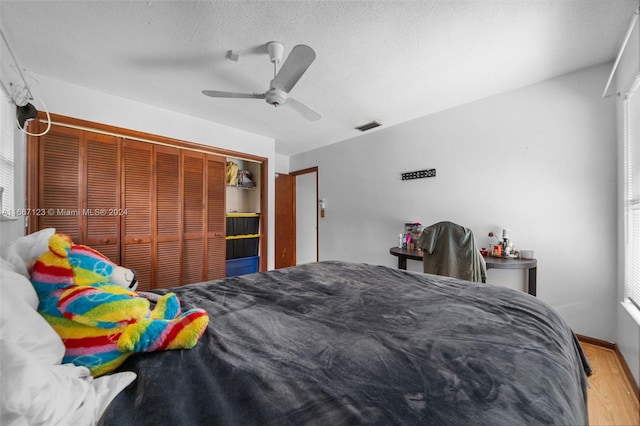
(242, 266)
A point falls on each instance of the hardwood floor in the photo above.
(611, 399)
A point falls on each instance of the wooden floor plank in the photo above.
(611, 399)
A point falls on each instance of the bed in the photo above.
(329, 343)
(336, 343)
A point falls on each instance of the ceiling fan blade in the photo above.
(303, 110)
(219, 94)
(297, 62)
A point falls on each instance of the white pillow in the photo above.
(37, 394)
(23, 252)
(21, 324)
(18, 284)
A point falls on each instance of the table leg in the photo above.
(533, 272)
(402, 262)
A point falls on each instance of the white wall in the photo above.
(627, 328)
(540, 161)
(79, 102)
(282, 164)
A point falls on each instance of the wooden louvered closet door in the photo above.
(100, 219)
(216, 219)
(168, 217)
(137, 200)
(193, 267)
(59, 181)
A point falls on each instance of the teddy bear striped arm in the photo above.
(102, 305)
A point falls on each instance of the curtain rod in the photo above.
(624, 44)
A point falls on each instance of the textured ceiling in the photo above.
(389, 61)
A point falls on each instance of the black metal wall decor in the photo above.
(419, 174)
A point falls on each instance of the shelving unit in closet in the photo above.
(243, 219)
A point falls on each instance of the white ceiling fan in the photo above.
(292, 69)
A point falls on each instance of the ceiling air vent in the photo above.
(368, 126)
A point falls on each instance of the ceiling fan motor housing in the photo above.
(276, 97)
(275, 50)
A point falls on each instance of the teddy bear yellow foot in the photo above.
(150, 334)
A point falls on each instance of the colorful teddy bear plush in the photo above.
(91, 304)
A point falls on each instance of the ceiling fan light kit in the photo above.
(292, 69)
(276, 97)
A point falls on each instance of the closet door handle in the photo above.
(105, 241)
(136, 240)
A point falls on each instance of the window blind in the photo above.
(632, 192)
(7, 126)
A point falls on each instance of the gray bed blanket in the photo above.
(337, 343)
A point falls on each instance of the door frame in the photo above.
(291, 222)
